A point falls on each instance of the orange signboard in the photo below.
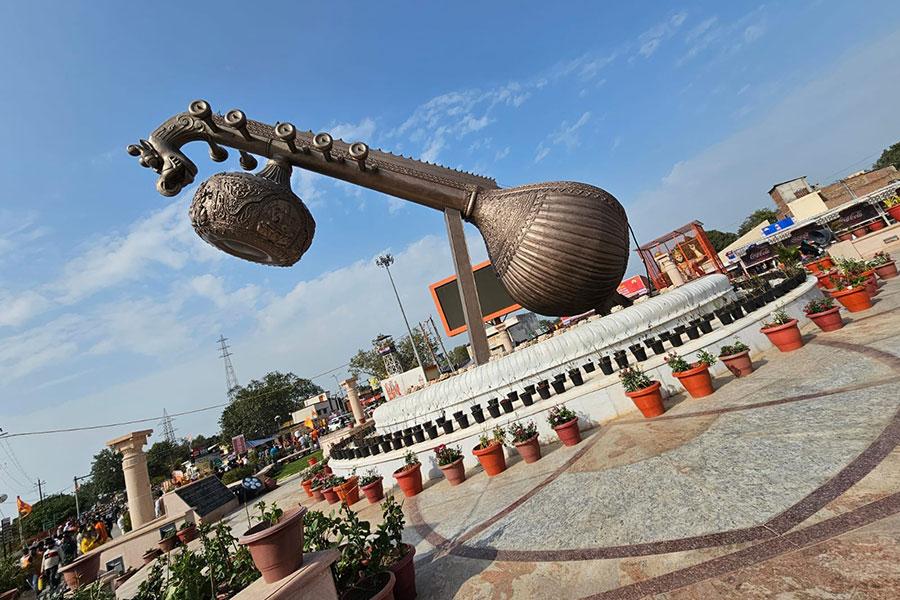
(494, 299)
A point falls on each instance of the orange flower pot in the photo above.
(409, 478)
(696, 380)
(876, 225)
(568, 432)
(860, 231)
(277, 549)
(887, 270)
(491, 458)
(824, 280)
(455, 472)
(739, 364)
(348, 492)
(307, 487)
(529, 450)
(648, 400)
(330, 495)
(374, 491)
(786, 337)
(854, 299)
(894, 211)
(827, 320)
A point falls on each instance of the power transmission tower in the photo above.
(231, 381)
(168, 430)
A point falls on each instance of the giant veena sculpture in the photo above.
(560, 248)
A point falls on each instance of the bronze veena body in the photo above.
(560, 248)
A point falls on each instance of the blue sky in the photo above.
(111, 305)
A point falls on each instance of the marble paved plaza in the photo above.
(782, 484)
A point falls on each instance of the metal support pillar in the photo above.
(466, 281)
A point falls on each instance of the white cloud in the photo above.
(821, 126)
(308, 186)
(753, 32)
(501, 154)
(38, 347)
(650, 40)
(566, 134)
(353, 132)
(19, 309)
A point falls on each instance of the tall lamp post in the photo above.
(386, 260)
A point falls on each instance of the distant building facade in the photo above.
(845, 190)
(787, 191)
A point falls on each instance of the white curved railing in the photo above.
(567, 349)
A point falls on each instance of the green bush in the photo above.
(237, 474)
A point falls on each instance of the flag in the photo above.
(24, 507)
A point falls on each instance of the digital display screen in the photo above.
(492, 296)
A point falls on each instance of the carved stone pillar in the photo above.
(349, 386)
(137, 478)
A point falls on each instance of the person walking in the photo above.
(50, 564)
(30, 563)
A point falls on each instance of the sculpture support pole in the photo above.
(465, 279)
(349, 386)
(137, 478)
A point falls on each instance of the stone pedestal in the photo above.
(137, 478)
(349, 386)
(312, 581)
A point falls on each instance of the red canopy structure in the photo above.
(680, 256)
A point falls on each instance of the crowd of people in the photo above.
(42, 559)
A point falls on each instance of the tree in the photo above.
(49, 513)
(163, 457)
(257, 404)
(757, 217)
(720, 239)
(890, 156)
(106, 472)
(371, 363)
(460, 355)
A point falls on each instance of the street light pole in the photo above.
(386, 260)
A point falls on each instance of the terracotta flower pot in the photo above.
(188, 534)
(404, 570)
(696, 380)
(876, 225)
(529, 450)
(887, 270)
(739, 364)
(348, 492)
(860, 231)
(277, 549)
(84, 570)
(409, 478)
(871, 282)
(455, 472)
(374, 491)
(491, 458)
(568, 432)
(825, 262)
(151, 555)
(827, 320)
(813, 267)
(845, 237)
(377, 587)
(786, 337)
(330, 495)
(327, 470)
(854, 299)
(894, 211)
(307, 487)
(824, 280)
(648, 400)
(317, 494)
(312, 460)
(168, 544)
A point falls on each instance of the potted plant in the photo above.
(559, 384)
(489, 452)
(418, 434)
(884, 266)
(588, 367)
(823, 279)
(328, 490)
(575, 375)
(493, 408)
(306, 482)
(372, 485)
(852, 293)
(151, 554)
(737, 358)
(431, 430)
(408, 437)
(461, 419)
(83, 570)
(317, 488)
(477, 413)
(543, 389)
(605, 366)
(450, 462)
(565, 424)
(638, 351)
(387, 550)
(506, 403)
(525, 438)
(397, 440)
(644, 392)
(694, 377)
(782, 331)
(655, 345)
(892, 206)
(348, 489)
(674, 338)
(446, 425)
(692, 331)
(168, 543)
(877, 225)
(187, 532)
(409, 476)
(276, 542)
(621, 358)
(860, 231)
(724, 316)
(529, 389)
(824, 314)
(526, 399)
